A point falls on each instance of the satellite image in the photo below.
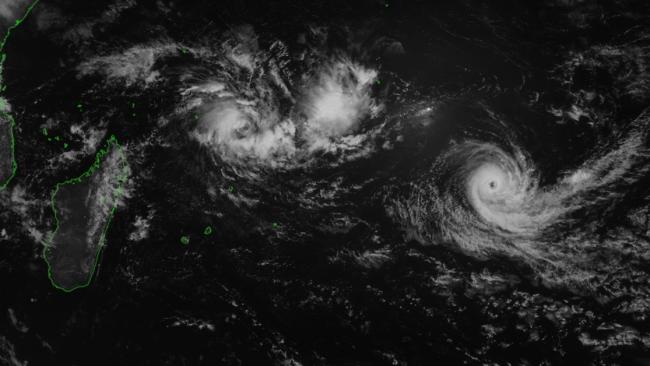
(328, 183)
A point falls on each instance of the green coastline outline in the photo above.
(99, 157)
(12, 122)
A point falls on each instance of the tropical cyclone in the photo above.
(83, 208)
(485, 199)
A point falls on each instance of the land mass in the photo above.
(83, 209)
(8, 164)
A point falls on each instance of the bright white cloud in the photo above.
(338, 101)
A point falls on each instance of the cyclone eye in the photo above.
(492, 184)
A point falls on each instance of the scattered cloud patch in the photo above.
(141, 228)
(135, 65)
(10, 10)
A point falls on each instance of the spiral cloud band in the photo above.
(485, 199)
